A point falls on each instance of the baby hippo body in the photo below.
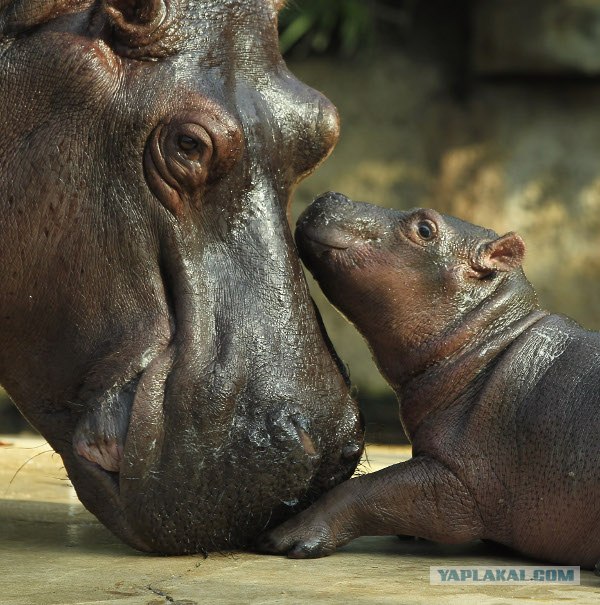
(500, 400)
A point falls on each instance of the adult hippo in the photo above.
(155, 323)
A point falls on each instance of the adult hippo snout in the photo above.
(156, 325)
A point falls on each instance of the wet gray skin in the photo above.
(155, 323)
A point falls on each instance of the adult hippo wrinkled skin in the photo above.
(154, 319)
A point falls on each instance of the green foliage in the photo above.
(319, 26)
(342, 27)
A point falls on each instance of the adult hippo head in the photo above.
(154, 319)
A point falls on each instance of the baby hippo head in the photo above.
(410, 281)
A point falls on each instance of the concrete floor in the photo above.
(53, 552)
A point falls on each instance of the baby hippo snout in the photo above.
(333, 222)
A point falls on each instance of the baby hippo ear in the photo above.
(503, 254)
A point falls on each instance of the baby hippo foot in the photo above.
(315, 532)
(100, 433)
(299, 540)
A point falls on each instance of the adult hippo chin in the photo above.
(154, 319)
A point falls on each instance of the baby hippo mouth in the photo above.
(330, 225)
(324, 239)
(101, 432)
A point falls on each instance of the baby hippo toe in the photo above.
(298, 541)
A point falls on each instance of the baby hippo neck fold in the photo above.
(445, 371)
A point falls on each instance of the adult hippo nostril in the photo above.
(156, 325)
(307, 443)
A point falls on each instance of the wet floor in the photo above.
(53, 552)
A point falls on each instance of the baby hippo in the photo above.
(500, 399)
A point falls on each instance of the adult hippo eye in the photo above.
(179, 161)
(188, 144)
(426, 230)
(194, 143)
(189, 152)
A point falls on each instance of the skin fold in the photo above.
(155, 323)
(498, 397)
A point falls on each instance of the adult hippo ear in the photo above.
(142, 28)
(502, 254)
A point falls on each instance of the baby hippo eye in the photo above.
(426, 230)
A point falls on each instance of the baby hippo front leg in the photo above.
(420, 497)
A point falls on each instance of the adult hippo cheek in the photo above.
(156, 325)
